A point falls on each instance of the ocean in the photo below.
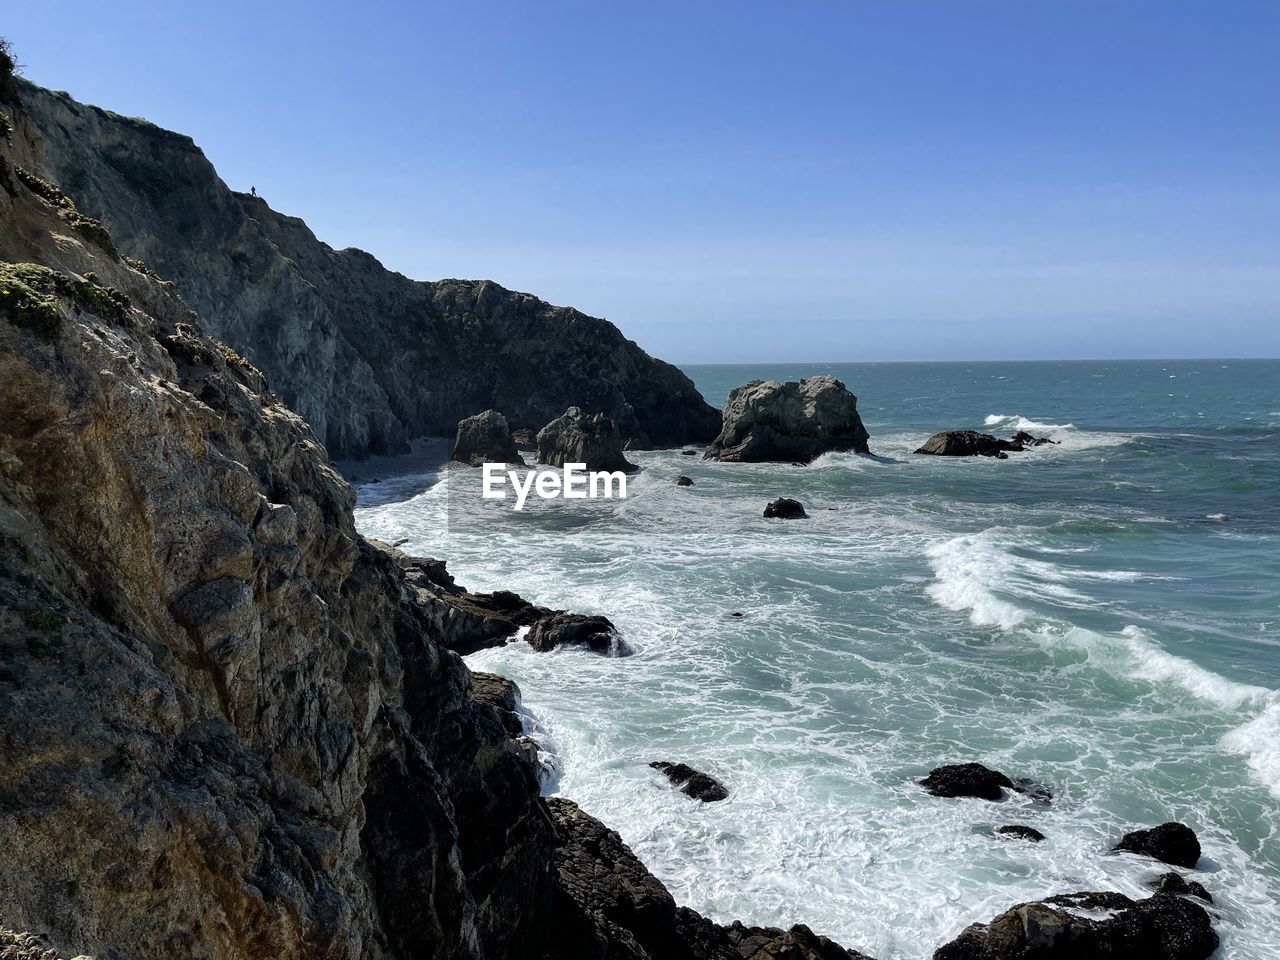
(1102, 616)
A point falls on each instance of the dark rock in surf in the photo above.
(683, 481)
(1087, 926)
(1176, 883)
(967, 780)
(1029, 440)
(597, 634)
(1021, 831)
(784, 508)
(1174, 843)
(485, 438)
(577, 437)
(1030, 788)
(968, 443)
(765, 420)
(688, 453)
(693, 783)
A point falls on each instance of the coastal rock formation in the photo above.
(560, 629)
(976, 780)
(1174, 843)
(1087, 926)
(1019, 830)
(971, 443)
(693, 783)
(609, 907)
(785, 422)
(231, 726)
(370, 358)
(485, 438)
(501, 694)
(577, 437)
(784, 508)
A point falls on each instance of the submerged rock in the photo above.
(485, 438)
(683, 481)
(1172, 842)
(784, 508)
(1176, 883)
(792, 421)
(1089, 926)
(694, 783)
(968, 443)
(1021, 831)
(576, 437)
(976, 780)
(577, 630)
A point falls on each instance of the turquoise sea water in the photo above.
(1102, 616)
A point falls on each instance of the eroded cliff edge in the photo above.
(370, 358)
(228, 726)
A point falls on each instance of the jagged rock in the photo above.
(15, 945)
(1176, 883)
(1089, 926)
(576, 437)
(485, 438)
(968, 443)
(792, 421)
(238, 731)
(525, 438)
(609, 907)
(501, 694)
(369, 357)
(1172, 842)
(976, 780)
(784, 508)
(683, 481)
(1021, 831)
(693, 783)
(561, 629)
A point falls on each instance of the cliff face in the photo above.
(227, 727)
(368, 357)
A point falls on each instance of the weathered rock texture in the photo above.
(578, 437)
(485, 438)
(768, 420)
(370, 358)
(1090, 926)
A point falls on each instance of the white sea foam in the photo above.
(1018, 422)
(1258, 741)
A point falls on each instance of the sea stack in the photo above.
(765, 420)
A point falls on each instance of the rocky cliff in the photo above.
(370, 358)
(229, 726)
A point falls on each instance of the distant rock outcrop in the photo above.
(971, 443)
(577, 437)
(792, 421)
(370, 358)
(485, 438)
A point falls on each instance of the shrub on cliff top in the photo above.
(8, 68)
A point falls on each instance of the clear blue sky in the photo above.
(736, 181)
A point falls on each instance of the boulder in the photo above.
(968, 443)
(1172, 842)
(694, 783)
(683, 481)
(1021, 831)
(784, 508)
(576, 437)
(765, 420)
(560, 629)
(501, 694)
(485, 438)
(1176, 883)
(1088, 926)
(1029, 440)
(976, 780)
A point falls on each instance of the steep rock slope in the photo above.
(368, 357)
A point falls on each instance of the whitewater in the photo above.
(1100, 615)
